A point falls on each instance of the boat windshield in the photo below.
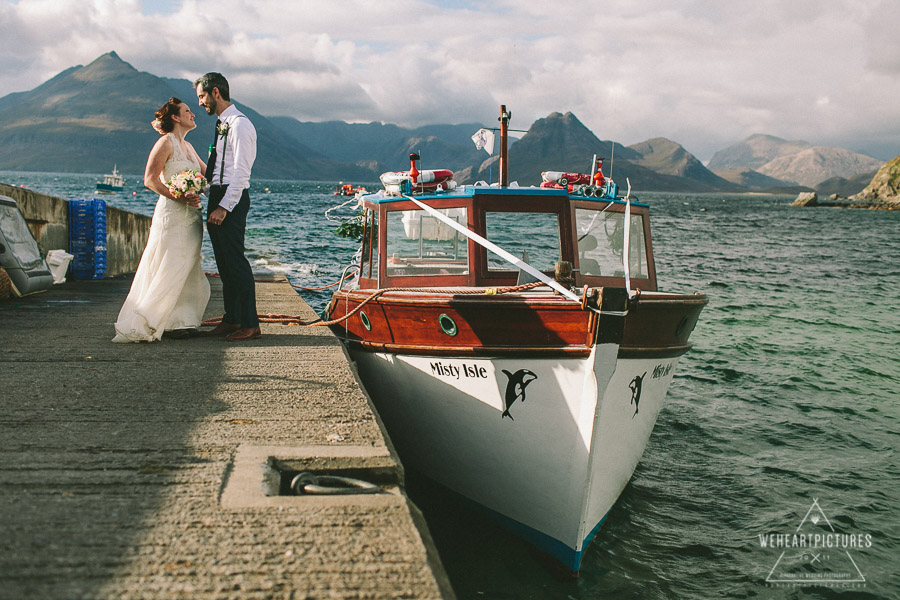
(419, 244)
(532, 236)
(601, 237)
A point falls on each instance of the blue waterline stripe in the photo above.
(569, 557)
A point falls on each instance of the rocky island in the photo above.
(882, 193)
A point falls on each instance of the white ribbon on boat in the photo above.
(627, 242)
(495, 249)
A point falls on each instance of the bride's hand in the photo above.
(192, 199)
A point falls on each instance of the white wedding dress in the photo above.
(170, 290)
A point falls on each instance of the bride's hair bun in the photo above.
(163, 122)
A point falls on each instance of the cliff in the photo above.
(885, 186)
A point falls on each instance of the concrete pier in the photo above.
(151, 470)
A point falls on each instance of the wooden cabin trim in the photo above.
(384, 280)
(485, 203)
(642, 353)
(656, 326)
(472, 351)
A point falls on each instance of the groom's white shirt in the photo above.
(237, 151)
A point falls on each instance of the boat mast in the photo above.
(504, 152)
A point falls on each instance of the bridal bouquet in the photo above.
(186, 181)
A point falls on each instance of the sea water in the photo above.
(781, 423)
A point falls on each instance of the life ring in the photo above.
(565, 178)
(428, 179)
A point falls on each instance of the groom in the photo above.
(228, 172)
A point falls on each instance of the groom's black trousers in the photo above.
(238, 287)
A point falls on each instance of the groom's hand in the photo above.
(217, 216)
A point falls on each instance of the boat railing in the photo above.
(349, 267)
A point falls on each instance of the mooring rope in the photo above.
(296, 287)
(297, 320)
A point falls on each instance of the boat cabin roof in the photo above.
(468, 191)
(405, 246)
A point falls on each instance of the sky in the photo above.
(703, 73)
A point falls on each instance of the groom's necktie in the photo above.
(211, 163)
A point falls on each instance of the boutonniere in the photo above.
(223, 127)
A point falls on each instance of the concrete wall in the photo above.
(126, 237)
(48, 220)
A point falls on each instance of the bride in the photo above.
(170, 291)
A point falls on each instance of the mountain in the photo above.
(666, 157)
(755, 180)
(83, 120)
(88, 118)
(814, 165)
(560, 142)
(384, 147)
(555, 143)
(754, 152)
(843, 186)
(794, 162)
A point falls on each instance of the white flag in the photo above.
(484, 138)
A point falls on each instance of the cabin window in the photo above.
(369, 258)
(533, 237)
(601, 237)
(420, 244)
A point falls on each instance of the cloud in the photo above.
(705, 73)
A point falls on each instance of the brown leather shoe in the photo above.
(220, 330)
(244, 334)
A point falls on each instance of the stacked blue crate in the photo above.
(87, 238)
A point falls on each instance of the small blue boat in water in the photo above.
(111, 183)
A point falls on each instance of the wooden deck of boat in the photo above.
(135, 470)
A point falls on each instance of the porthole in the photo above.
(365, 321)
(448, 325)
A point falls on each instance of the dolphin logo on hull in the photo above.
(515, 388)
(636, 385)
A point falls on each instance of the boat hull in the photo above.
(526, 404)
(547, 444)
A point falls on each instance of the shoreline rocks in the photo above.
(806, 199)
